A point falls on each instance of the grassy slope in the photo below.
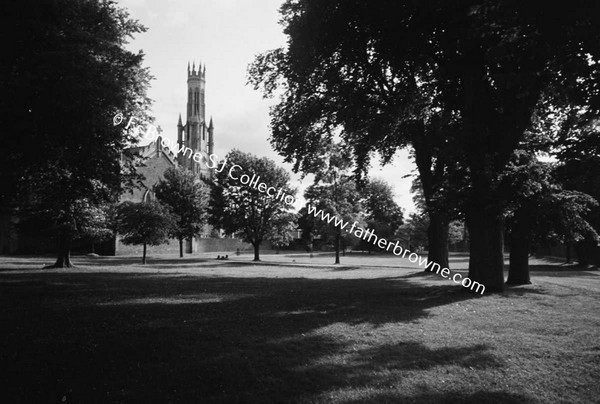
(199, 330)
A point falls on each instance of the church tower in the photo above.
(196, 133)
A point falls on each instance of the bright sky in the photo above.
(225, 35)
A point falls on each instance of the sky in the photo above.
(225, 35)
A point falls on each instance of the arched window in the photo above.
(148, 196)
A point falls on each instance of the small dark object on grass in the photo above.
(226, 257)
(218, 257)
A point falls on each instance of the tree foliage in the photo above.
(576, 145)
(382, 214)
(334, 193)
(338, 198)
(357, 68)
(187, 199)
(414, 231)
(282, 230)
(244, 210)
(95, 222)
(542, 212)
(145, 223)
(62, 82)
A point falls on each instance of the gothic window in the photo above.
(147, 196)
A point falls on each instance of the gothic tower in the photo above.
(196, 134)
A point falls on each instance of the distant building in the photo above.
(156, 161)
(197, 135)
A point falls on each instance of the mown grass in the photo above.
(203, 331)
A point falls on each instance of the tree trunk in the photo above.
(256, 246)
(567, 253)
(337, 248)
(486, 258)
(437, 238)
(93, 247)
(64, 253)
(144, 255)
(180, 247)
(582, 250)
(518, 270)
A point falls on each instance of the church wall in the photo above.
(226, 245)
(200, 245)
(153, 171)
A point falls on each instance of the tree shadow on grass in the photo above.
(413, 355)
(135, 260)
(562, 270)
(343, 268)
(480, 397)
(100, 337)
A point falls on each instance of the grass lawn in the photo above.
(292, 329)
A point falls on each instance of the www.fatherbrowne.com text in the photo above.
(382, 243)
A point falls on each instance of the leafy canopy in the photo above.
(187, 199)
(244, 210)
(144, 222)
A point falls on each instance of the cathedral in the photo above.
(198, 136)
(196, 133)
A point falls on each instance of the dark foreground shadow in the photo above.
(101, 337)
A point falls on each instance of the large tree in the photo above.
(65, 77)
(578, 150)
(483, 67)
(339, 200)
(333, 193)
(343, 81)
(542, 211)
(143, 223)
(243, 205)
(187, 198)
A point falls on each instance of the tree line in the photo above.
(477, 89)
